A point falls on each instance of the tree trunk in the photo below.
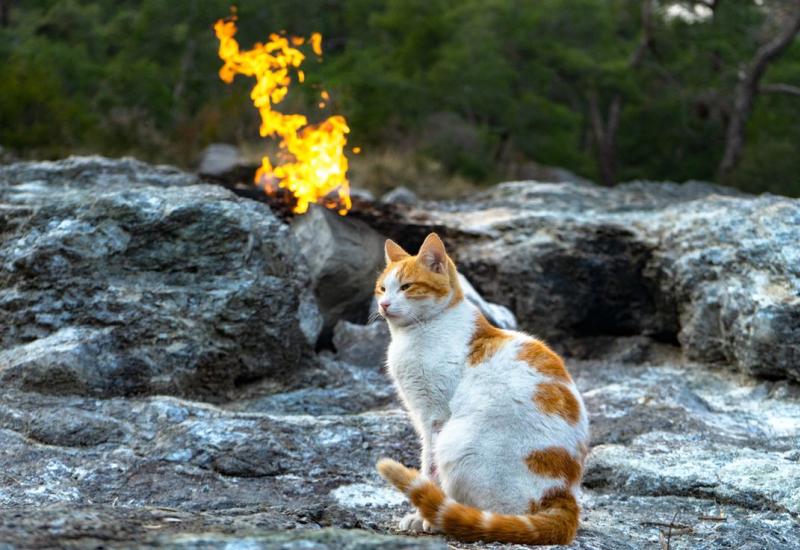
(5, 13)
(747, 89)
(604, 134)
(604, 129)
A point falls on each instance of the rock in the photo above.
(528, 170)
(118, 291)
(333, 386)
(734, 268)
(707, 268)
(91, 172)
(658, 463)
(363, 345)
(360, 194)
(672, 442)
(225, 163)
(321, 539)
(111, 285)
(400, 195)
(344, 256)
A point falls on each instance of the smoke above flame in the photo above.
(313, 167)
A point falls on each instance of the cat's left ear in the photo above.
(432, 254)
(393, 252)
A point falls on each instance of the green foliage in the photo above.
(473, 85)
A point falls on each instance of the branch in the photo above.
(773, 48)
(779, 88)
(748, 87)
(646, 40)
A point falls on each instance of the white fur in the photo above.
(477, 424)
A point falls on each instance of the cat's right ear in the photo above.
(394, 252)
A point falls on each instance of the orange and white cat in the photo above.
(504, 430)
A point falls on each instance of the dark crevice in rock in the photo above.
(584, 282)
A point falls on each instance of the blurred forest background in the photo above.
(447, 94)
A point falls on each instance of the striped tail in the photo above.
(554, 521)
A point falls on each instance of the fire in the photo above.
(314, 168)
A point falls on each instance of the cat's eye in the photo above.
(406, 286)
(383, 289)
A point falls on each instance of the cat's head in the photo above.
(414, 289)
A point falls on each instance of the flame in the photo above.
(318, 171)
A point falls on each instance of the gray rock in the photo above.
(333, 386)
(321, 539)
(344, 257)
(734, 268)
(697, 265)
(224, 162)
(400, 195)
(93, 171)
(363, 345)
(672, 442)
(112, 286)
(659, 463)
(357, 193)
(110, 290)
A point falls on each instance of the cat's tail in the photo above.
(555, 521)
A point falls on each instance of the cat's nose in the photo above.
(385, 304)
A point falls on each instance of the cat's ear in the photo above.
(393, 252)
(432, 254)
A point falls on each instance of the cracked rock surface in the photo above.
(696, 265)
(119, 279)
(702, 455)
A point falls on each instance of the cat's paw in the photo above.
(414, 522)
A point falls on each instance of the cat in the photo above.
(503, 428)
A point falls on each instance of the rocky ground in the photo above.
(174, 376)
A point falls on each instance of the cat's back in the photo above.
(513, 378)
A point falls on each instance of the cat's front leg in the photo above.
(428, 463)
(414, 522)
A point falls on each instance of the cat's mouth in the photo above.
(389, 315)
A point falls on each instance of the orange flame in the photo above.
(318, 173)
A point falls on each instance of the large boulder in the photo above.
(114, 281)
(91, 171)
(344, 257)
(697, 265)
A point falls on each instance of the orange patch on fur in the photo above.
(486, 340)
(509, 528)
(560, 522)
(555, 398)
(428, 498)
(462, 522)
(424, 282)
(555, 462)
(544, 360)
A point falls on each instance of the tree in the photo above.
(5, 13)
(748, 87)
(604, 129)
